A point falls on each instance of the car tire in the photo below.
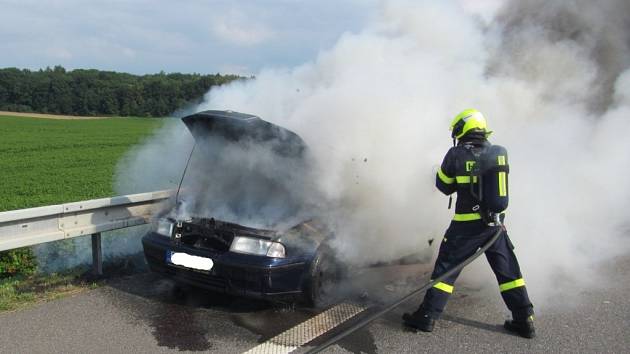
(325, 274)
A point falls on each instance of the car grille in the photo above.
(204, 234)
(244, 278)
(207, 280)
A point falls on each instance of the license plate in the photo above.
(189, 261)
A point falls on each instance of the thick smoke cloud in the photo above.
(248, 182)
(583, 47)
(552, 79)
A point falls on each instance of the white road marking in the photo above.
(297, 336)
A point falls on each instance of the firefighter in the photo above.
(469, 230)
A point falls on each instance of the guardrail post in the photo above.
(97, 255)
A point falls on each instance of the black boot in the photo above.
(419, 320)
(524, 328)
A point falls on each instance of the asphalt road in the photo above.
(137, 314)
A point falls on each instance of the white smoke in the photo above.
(375, 110)
(246, 182)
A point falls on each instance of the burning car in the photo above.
(244, 171)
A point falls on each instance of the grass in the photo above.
(51, 161)
(20, 292)
(48, 161)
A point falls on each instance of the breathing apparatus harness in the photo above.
(488, 177)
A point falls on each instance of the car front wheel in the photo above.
(325, 276)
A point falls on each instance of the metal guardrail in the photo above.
(27, 227)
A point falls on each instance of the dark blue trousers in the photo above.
(462, 241)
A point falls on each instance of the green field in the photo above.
(52, 161)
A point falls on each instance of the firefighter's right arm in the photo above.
(445, 177)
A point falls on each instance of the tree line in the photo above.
(102, 93)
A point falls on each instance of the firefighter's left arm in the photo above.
(445, 177)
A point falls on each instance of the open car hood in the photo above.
(235, 126)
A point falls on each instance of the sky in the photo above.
(148, 36)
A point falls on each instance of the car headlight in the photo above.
(257, 246)
(164, 227)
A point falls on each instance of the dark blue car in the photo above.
(244, 171)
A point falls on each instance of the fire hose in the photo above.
(497, 229)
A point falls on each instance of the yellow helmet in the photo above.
(468, 120)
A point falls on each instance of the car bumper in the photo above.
(232, 273)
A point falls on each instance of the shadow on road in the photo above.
(473, 323)
(192, 319)
(201, 320)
